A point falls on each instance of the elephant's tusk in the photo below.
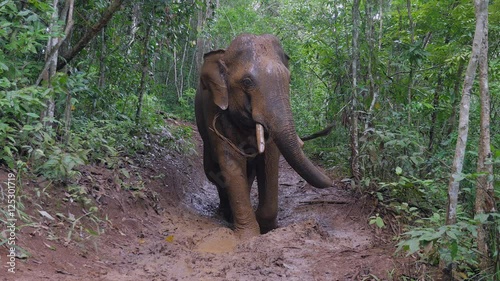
(261, 142)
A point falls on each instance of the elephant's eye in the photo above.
(247, 82)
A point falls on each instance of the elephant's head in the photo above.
(251, 81)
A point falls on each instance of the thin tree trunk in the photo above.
(200, 41)
(452, 120)
(485, 202)
(50, 66)
(463, 124)
(53, 45)
(134, 27)
(435, 105)
(354, 107)
(91, 33)
(180, 88)
(67, 117)
(192, 82)
(102, 65)
(67, 16)
(412, 64)
(381, 23)
(175, 73)
(371, 42)
(144, 66)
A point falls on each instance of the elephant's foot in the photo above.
(247, 232)
(267, 219)
(267, 225)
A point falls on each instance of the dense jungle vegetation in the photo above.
(85, 81)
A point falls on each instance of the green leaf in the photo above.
(414, 246)
(34, 115)
(28, 128)
(125, 173)
(459, 177)
(379, 222)
(399, 171)
(92, 232)
(454, 249)
(8, 151)
(3, 66)
(24, 13)
(451, 233)
(4, 82)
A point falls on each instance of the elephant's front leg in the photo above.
(267, 178)
(233, 168)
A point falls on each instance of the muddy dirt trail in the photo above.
(168, 229)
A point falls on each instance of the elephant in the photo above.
(243, 115)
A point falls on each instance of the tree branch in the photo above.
(90, 34)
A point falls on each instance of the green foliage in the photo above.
(423, 195)
(183, 108)
(18, 119)
(452, 244)
(109, 139)
(387, 148)
(236, 17)
(22, 37)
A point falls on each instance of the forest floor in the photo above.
(157, 220)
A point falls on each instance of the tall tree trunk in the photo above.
(67, 16)
(485, 202)
(412, 63)
(370, 30)
(53, 45)
(134, 27)
(144, 67)
(354, 99)
(202, 43)
(463, 124)
(435, 105)
(102, 57)
(180, 80)
(51, 63)
(176, 76)
(452, 120)
(381, 23)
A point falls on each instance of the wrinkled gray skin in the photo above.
(245, 85)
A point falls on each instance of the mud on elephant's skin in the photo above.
(243, 115)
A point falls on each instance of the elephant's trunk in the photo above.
(274, 112)
(282, 130)
(288, 143)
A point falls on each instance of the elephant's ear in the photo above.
(213, 77)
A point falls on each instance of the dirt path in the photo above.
(169, 230)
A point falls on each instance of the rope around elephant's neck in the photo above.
(228, 141)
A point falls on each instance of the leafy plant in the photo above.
(453, 244)
(377, 220)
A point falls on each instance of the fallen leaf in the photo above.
(47, 215)
(50, 247)
(169, 238)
